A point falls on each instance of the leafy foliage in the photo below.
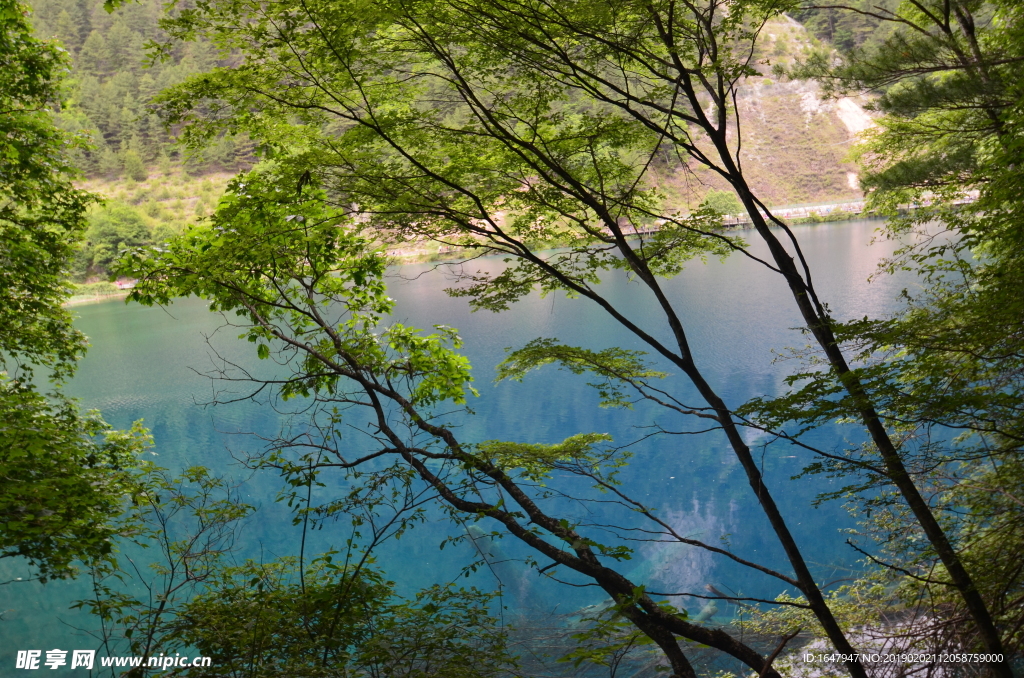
(190, 521)
(66, 478)
(113, 230)
(65, 474)
(259, 620)
(946, 371)
(41, 213)
(266, 243)
(536, 462)
(723, 202)
(336, 616)
(618, 367)
(395, 152)
(607, 638)
(311, 297)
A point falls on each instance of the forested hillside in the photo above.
(797, 148)
(112, 83)
(152, 189)
(795, 145)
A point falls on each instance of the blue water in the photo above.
(147, 363)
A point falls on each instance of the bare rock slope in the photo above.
(795, 146)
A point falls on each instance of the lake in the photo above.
(148, 363)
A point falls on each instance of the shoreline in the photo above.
(424, 257)
(83, 299)
(412, 256)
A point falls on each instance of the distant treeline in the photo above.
(111, 85)
(112, 80)
(849, 30)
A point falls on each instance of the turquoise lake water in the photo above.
(147, 363)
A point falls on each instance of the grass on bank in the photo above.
(174, 199)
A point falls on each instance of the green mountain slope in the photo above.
(111, 86)
(794, 146)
